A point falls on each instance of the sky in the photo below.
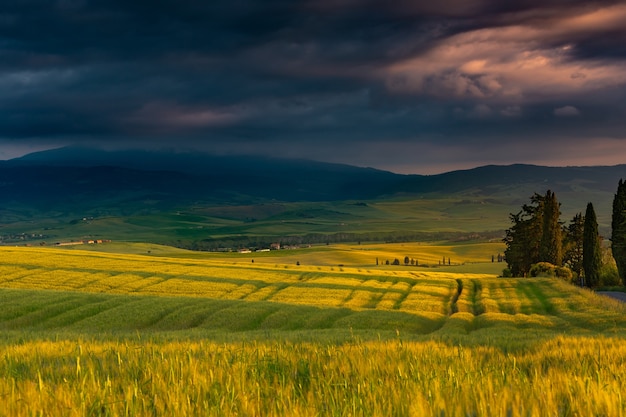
(409, 86)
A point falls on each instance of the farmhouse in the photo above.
(83, 242)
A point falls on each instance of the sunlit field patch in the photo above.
(317, 296)
(186, 287)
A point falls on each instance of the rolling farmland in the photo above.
(96, 333)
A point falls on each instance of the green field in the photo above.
(469, 214)
(143, 329)
(377, 220)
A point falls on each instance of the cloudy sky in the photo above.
(412, 86)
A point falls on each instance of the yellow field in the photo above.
(365, 255)
(350, 255)
(414, 290)
(568, 376)
(93, 333)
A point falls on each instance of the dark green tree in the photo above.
(523, 238)
(516, 240)
(551, 245)
(536, 235)
(573, 245)
(592, 254)
(618, 230)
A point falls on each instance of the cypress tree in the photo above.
(522, 244)
(532, 229)
(515, 253)
(551, 245)
(618, 233)
(536, 235)
(524, 237)
(592, 256)
(573, 245)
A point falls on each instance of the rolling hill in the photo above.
(75, 171)
(84, 177)
(260, 196)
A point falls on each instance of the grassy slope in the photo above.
(173, 332)
(432, 214)
(435, 215)
(88, 291)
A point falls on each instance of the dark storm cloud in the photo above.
(371, 82)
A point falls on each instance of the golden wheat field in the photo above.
(94, 333)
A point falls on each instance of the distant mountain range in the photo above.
(80, 179)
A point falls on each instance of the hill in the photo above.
(73, 171)
(188, 197)
(184, 176)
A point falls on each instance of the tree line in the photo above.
(252, 241)
(538, 243)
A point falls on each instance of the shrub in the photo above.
(506, 273)
(564, 273)
(608, 275)
(542, 269)
(546, 269)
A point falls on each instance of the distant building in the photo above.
(275, 246)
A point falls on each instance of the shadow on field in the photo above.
(35, 310)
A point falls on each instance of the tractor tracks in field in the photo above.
(454, 308)
(467, 298)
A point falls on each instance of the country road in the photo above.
(614, 294)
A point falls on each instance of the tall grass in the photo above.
(566, 376)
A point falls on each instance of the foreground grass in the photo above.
(86, 333)
(563, 376)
